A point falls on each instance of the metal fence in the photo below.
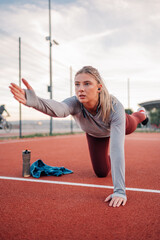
(35, 68)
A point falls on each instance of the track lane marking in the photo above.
(77, 184)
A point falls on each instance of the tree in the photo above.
(155, 117)
(128, 111)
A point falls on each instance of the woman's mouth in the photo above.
(81, 96)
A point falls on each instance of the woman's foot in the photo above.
(143, 111)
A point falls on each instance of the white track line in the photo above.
(77, 184)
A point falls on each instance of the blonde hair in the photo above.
(105, 97)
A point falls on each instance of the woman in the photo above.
(103, 119)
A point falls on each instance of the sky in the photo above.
(121, 38)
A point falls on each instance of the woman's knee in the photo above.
(102, 174)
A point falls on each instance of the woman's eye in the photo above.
(76, 84)
(86, 84)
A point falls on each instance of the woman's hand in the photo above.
(19, 93)
(115, 201)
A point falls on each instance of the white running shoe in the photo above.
(143, 111)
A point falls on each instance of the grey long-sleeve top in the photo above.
(94, 126)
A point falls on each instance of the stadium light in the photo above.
(48, 38)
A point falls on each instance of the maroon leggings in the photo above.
(98, 147)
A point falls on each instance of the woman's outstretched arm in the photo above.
(47, 106)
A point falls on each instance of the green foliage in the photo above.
(128, 111)
(155, 117)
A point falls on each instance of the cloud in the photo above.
(119, 37)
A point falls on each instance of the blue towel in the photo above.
(39, 168)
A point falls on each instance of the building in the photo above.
(149, 106)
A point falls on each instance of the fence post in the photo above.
(20, 107)
(71, 122)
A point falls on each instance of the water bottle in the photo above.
(26, 155)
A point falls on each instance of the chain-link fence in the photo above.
(35, 69)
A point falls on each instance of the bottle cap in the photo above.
(26, 151)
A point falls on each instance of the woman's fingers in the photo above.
(115, 201)
(108, 198)
(27, 84)
(18, 93)
(124, 202)
(15, 88)
(111, 203)
(119, 202)
(19, 97)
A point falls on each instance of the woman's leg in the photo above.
(133, 120)
(98, 148)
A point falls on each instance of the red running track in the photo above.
(34, 210)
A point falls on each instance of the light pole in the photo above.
(20, 108)
(128, 87)
(49, 38)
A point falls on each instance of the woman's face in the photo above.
(86, 88)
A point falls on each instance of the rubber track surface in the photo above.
(32, 210)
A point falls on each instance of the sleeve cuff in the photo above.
(119, 195)
(31, 98)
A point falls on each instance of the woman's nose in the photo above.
(81, 88)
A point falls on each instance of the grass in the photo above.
(39, 135)
(143, 130)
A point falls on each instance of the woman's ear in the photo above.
(99, 87)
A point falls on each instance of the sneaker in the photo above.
(143, 110)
